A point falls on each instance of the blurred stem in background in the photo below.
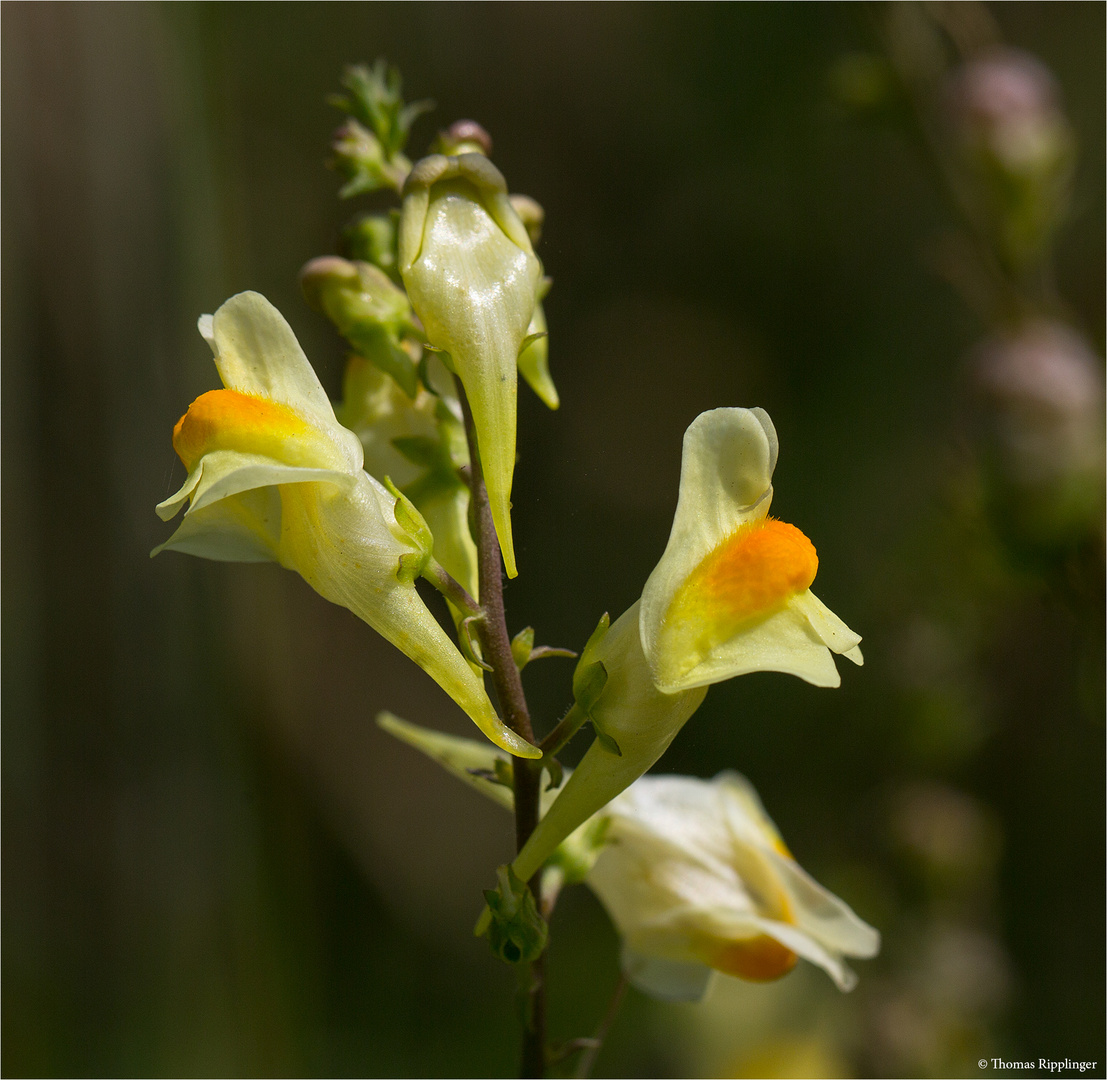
(1026, 499)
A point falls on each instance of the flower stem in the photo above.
(595, 1044)
(451, 588)
(567, 727)
(496, 648)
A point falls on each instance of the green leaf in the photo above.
(522, 645)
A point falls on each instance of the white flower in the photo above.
(693, 873)
(697, 879)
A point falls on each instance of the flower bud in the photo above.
(420, 443)
(530, 214)
(472, 277)
(371, 313)
(1040, 394)
(464, 137)
(1016, 141)
(371, 238)
(517, 932)
(360, 158)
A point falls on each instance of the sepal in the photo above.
(415, 529)
(369, 311)
(522, 644)
(517, 932)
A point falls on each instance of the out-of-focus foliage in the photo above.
(216, 864)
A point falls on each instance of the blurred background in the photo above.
(215, 864)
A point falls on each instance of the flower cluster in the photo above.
(410, 476)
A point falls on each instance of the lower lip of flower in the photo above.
(751, 574)
(756, 959)
(231, 420)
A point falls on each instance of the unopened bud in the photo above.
(1041, 406)
(1005, 112)
(464, 137)
(324, 273)
(530, 214)
(361, 159)
(368, 310)
(1007, 101)
(473, 280)
(1043, 392)
(372, 239)
(517, 932)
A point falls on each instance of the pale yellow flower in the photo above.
(473, 279)
(697, 879)
(731, 595)
(273, 476)
(693, 873)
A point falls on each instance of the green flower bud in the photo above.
(360, 158)
(530, 214)
(371, 313)
(473, 279)
(371, 238)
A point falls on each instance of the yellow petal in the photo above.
(756, 959)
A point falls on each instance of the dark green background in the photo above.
(213, 862)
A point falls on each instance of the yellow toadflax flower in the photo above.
(693, 873)
(697, 879)
(273, 476)
(473, 280)
(730, 595)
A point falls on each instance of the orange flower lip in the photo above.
(757, 959)
(231, 420)
(753, 573)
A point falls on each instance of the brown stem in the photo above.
(496, 647)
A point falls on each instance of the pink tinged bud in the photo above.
(1042, 398)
